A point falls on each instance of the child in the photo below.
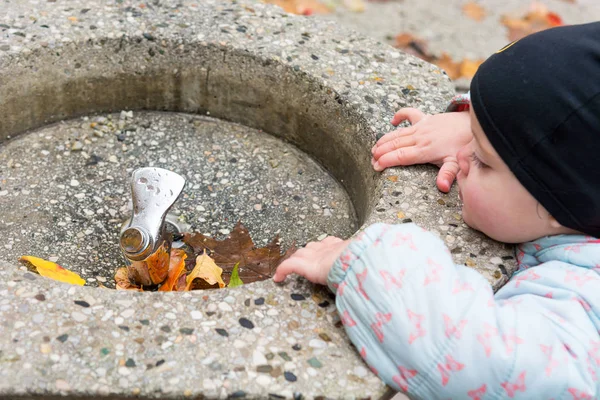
(527, 173)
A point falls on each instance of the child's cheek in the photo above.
(473, 205)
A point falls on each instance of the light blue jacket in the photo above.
(435, 330)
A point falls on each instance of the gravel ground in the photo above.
(445, 28)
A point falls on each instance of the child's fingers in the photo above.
(289, 266)
(447, 175)
(400, 132)
(331, 240)
(401, 156)
(391, 145)
(409, 130)
(411, 114)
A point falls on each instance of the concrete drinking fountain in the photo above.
(270, 118)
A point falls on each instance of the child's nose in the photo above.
(463, 159)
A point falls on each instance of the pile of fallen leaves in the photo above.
(201, 263)
(205, 263)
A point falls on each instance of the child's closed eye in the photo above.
(478, 163)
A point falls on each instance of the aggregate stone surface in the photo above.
(67, 187)
(260, 339)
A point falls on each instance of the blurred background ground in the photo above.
(455, 34)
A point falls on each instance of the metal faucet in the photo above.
(154, 191)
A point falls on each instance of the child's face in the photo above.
(494, 201)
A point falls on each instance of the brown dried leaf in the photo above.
(413, 45)
(474, 11)
(538, 18)
(255, 264)
(123, 281)
(158, 264)
(446, 63)
(151, 271)
(176, 270)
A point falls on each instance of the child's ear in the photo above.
(561, 228)
(554, 223)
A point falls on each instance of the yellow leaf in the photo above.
(53, 271)
(393, 178)
(176, 269)
(207, 270)
(473, 11)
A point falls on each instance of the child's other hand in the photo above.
(313, 261)
(433, 139)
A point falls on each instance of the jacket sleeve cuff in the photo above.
(461, 102)
(353, 252)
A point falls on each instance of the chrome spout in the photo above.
(154, 191)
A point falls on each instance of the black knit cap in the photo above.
(538, 102)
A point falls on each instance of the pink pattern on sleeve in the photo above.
(486, 338)
(416, 320)
(578, 278)
(477, 394)
(347, 319)
(517, 386)
(578, 394)
(451, 366)
(526, 276)
(511, 340)
(434, 276)
(402, 379)
(402, 239)
(462, 287)
(452, 329)
(361, 280)
(552, 362)
(391, 281)
(377, 326)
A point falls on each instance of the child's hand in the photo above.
(433, 139)
(313, 261)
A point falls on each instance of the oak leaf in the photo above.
(255, 264)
